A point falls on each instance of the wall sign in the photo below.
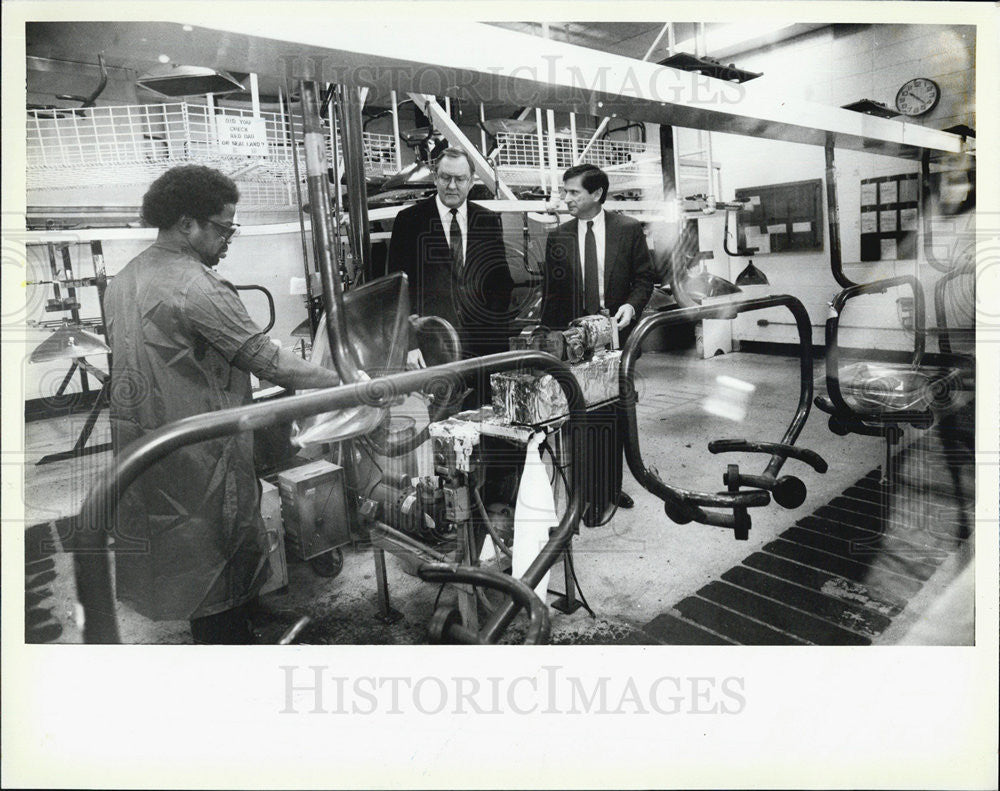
(889, 209)
(782, 218)
(241, 135)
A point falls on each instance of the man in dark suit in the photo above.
(597, 260)
(452, 252)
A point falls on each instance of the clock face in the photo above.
(917, 96)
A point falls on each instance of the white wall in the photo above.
(838, 66)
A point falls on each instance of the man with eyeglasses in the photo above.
(452, 252)
(190, 539)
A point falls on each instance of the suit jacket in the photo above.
(477, 299)
(628, 270)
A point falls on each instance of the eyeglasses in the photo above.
(458, 181)
(227, 232)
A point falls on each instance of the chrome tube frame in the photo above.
(683, 505)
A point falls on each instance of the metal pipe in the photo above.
(925, 194)
(429, 554)
(96, 520)
(395, 130)
(298, 195)
(270, 303)
(323, 233)
(940, 313)
(335, 160)
(352, 128)
(833, 218)
(520, 594)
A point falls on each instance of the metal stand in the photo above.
(386, 613)
(80, 448)
(567, 603)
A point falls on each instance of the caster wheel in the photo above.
(329, 564)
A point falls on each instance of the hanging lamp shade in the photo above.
(752, 276)
(68, 342)
(176, 81)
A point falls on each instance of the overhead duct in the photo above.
(177, 81)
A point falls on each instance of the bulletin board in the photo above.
(782, 218)
(889, 217)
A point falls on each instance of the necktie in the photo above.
(455, 235)
(591, 288)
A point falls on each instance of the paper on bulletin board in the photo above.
(888, 191)
(908, 220)
(801, 227)
(869, 194)
(888, 249)
(908, 191)
(887, 221)
(869, 222)
(754, 238)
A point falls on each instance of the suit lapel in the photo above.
(574, 264)
(611, 242)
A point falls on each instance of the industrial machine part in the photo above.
(588, 345)
(878, 399)
(95, 523)
(315, 514)
(71, 341)
(585, 336)
(684, 506)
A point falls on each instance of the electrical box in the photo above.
(270, 511)
(314, 508)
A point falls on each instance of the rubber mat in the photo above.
(842, 574)
(40, 625)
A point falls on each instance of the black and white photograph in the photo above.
(647, 347)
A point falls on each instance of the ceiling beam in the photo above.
(486, 64)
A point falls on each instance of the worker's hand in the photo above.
(624, 316)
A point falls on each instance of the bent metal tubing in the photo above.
(538, 613)
(688, 504)
(95, 522)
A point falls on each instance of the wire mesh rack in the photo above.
(133, 144)
(522, 155)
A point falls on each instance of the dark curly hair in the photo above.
(189, 190)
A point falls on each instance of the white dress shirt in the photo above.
(463, 223)
(599, 228)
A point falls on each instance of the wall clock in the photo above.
(917, 96)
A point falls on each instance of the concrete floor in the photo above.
(630, 571)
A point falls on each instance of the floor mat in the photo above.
(842, 574)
